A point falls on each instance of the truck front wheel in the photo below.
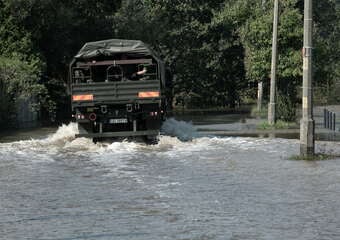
(151, 139)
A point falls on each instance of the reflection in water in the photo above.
(206, 188)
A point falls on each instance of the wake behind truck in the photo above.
(119, 88)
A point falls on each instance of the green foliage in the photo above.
(278, 125)
(197, 40)
(51, 32)
(327, 44)
(286, 108)
(18, 81)
(256, 35)
(214, 47)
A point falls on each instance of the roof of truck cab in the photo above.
(111, 47)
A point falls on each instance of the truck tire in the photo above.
(151, 139)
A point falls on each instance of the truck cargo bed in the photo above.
(116, 92)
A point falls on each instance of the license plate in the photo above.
(118, 120)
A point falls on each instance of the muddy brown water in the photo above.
(54, 186)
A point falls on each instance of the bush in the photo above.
(285, 108)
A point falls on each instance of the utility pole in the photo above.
(259, 97)
(260, 83)
(307, 142)
(271, 106)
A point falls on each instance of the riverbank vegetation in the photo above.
(217, 50)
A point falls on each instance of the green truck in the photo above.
(119, 88)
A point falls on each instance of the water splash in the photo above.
(179, 138)
(65, 133)
(184, 131)
(81, 145)
(49, 145)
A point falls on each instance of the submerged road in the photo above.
(58, 187)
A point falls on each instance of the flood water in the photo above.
(59, 187)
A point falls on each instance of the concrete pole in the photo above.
(271, 106)
(260, 84)
(307, 142)
(259, 97)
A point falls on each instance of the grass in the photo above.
(315, 157)
(278, 125)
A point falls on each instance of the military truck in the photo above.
(119, 88)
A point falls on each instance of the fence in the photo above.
(329, 119)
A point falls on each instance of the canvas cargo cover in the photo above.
(111, 47)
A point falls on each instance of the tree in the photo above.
(256, 37)
(202, 50)
(19, 81)
(214, 48)
(55, 31)
(20, 67)
(327, 45)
